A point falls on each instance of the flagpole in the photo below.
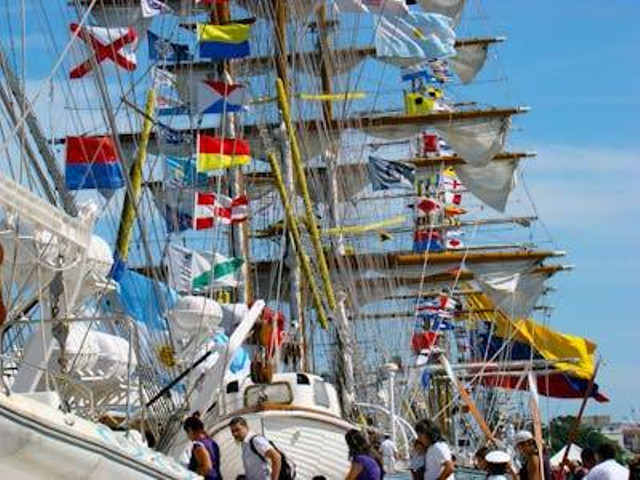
(221, 15)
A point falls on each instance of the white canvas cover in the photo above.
(515, 294)
(450, 8)
(394, 132)
(298, 9)
(492, 183)
(574, 455)
(341, 62)
(506, 268)
(383, 7)
(477, 141)
(121, 17)
(469, 60)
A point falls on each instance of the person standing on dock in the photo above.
(607, 467)
(389, 454)
(531, 469)
(438, 459)
(416, 460)
(365, 464)
(498, 465)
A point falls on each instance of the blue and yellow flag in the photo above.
(221, 42)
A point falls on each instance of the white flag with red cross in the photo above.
(103, 46)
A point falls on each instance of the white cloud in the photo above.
(585, 188)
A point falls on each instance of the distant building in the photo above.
(631, 435)
(596, 421)
(613, 431)
(627, 435)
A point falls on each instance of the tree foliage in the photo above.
(558, 435)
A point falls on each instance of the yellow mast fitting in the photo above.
(295, 233)
(135, 175)
(302, 185)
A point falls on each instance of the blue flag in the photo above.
(182, 172)
(162, 50)
(415, 37)
(418, 71)
(145, 300)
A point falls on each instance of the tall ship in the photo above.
(291, 211)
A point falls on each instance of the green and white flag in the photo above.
(190, 271)
(224, 273)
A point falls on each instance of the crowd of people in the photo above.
(430, 458)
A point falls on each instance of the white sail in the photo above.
(469, 60)
(515, 294)
(450, 8)
(491, 183)
(477, 141)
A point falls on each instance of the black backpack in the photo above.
(287, 469)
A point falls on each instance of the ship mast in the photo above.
(38, 136)
(295, 274)
(344, 346)
(220, 15)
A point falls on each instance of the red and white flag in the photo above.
(454, 239)
(211, 208)
(104, 46)
(427, 205)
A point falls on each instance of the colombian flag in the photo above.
(221, 42)
(214, 152)
(92, 162)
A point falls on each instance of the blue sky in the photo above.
(576, 64)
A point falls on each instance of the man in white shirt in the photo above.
(257, 452)
(438, 460)
(389, 454)
(607, 467)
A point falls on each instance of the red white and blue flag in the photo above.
(92, 162)
(209, 96)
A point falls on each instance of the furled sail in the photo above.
(491, 183)
(477, 141)
(469, 60)
(450, 8)
(515, 294)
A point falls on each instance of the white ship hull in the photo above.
(314, 441)
(38, 441)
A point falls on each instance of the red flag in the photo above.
(211, 208)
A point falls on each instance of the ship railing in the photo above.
(60, 381)
(117, 323)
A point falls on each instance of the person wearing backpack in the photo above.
(205, 454)
(261, 458)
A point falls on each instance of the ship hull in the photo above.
(313, 441)
(38, 441)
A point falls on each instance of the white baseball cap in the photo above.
(498, 456)
(522, 436)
